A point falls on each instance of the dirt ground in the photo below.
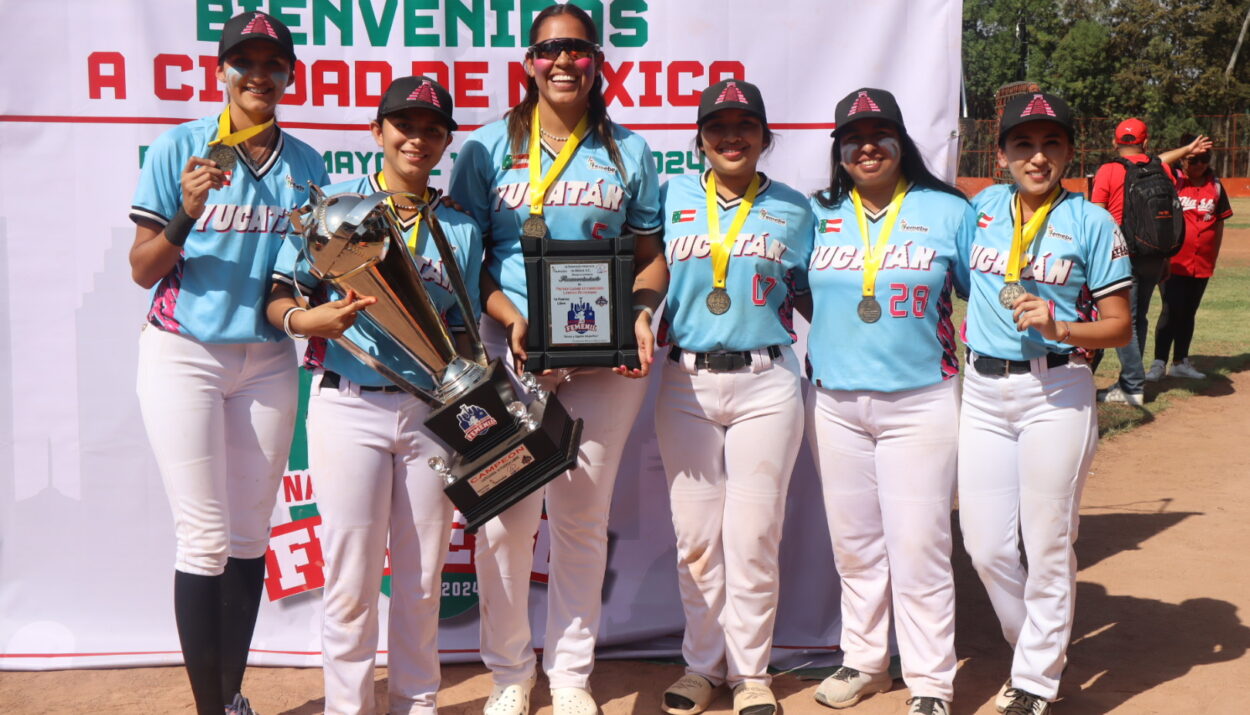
(1164, 585)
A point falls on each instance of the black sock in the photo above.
(197, 611)
(241, 587)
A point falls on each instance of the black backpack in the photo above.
(1154, 221)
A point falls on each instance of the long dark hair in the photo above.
(519, 117)
(914, 170)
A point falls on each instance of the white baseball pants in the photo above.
(887, 467)
(1026, 443)
(367, 454)
(577, 517)
(220, 418)
(728, 441)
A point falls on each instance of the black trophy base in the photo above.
(477, 421)
(555, 358)
(488, 485)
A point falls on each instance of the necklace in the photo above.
(551, 136)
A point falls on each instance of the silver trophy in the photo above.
(502, 449)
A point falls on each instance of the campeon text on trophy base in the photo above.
(502, 450)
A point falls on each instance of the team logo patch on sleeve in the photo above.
(684, 216)
(983, 220)
(831, 225)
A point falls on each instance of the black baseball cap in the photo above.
(419, 92)
(732, 94)
(255, 26)
(1032, 107)
(867, 103)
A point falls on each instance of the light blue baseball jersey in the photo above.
(1077, 258)
(466, 241)
(216, 292)
(766, 266)
(590, 199)
(913, 344)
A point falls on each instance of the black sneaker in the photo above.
(240, 706)
(1026, 703)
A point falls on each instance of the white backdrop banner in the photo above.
(86, 537)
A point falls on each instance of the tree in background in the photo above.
(1162, 60)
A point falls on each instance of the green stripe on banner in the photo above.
(298, 461)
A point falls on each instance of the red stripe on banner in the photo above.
(88, 655)
(59, 119)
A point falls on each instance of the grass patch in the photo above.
(1241, 214)
(1221, 344)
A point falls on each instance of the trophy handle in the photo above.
(456, 278)
(357, 352)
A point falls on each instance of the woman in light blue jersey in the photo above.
(368, 446)
(217, 383)
(556, 165)
(1049, 281)
(891, 242)
(729, 415)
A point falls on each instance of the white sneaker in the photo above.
(848, 686)
(1115, 394)
(510, 699)
(1184, 369)
(1158, 369)
(573, 701)
(1004, 696)
(1026, 703)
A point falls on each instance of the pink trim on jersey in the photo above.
(165, 300)
(315, 353)
(785, 311)
(946, 332)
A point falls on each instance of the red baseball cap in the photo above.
(1131, 131)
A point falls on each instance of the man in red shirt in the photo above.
(1206, 207)
(1131, 136)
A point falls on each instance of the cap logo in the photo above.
(259, 25)
(731, 93)
(1038, 105)
(863, 103)
(425, 93)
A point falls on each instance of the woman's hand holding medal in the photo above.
(1030, 311)
(198, 176)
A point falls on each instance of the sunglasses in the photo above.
(1199, 159)
(576, 48)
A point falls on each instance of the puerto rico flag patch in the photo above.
(983, 220)
(683, 216)
(831, 225)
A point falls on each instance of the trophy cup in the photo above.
(502, 449)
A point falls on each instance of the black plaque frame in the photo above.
(623, 347)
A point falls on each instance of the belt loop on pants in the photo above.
(332, 380)
(726, 360)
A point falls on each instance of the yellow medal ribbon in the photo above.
(416, 227)
(225, 136)
(539, 182)
(1022, 236)
(874, 255)
(721, 247)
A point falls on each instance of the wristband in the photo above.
(286, 321)
(644, 309)
(179, 227)
(1067, 332)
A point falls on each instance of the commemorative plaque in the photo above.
(580, 303)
